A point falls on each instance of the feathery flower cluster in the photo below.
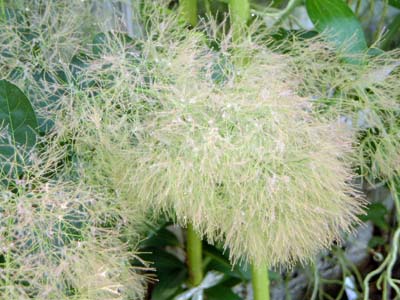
(227, 140)
(55, 245)
(218, 139)
(61, 237)
(245, 162)
(365, 96)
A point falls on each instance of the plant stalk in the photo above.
(194, 255)
(194, 247)
(189, 11)
(240, 14)
(240, 11)
(260, 281)
(391, 33)
(292, 4)
(2, 10)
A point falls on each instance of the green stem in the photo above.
(391, 34)
(207, 7)
(358, 7)
(194, 246)
(277, 3)
(260, 283)
(240, 14)
(2, 10)
(194, 255)
(381, 23)
(292, 4)
(240, 11)
(189, 11)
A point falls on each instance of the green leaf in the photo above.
(161, 238)
(162, 260)
(219, 292)
(220, 262)
(392, 35)
(343, 27)
(79, 62)
(169, 284)
(14, 16)
(99, 42)
(376, 213)
(55, 80)
(16, 73)
(170, 271)
(395, 3)
(18, 117)
(17, 114)
(376, 241)
(102, 41)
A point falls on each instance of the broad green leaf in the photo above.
(79, 62)
(102, 41)
(99, 42)
(282, 37)
(18, 123)
(220, 262)
(220, 292)
(376, 213)
(13, 16)
(163, 261)
(169, 284)
(16, 113)
(55, 82)
(395, 3)
(162, 238)
(170, 271)
(337, 19)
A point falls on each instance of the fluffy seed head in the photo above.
(365, 96)
(220, 139)
(243, 159)
(60, 236)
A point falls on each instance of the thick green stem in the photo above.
(194, 255)
(189, 11)
(260, 281)
(240, 14)
(194, 246)
(240, 11)
(292, 4)
(2, 10)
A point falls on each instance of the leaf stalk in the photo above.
(194, 256)
(260, 282)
